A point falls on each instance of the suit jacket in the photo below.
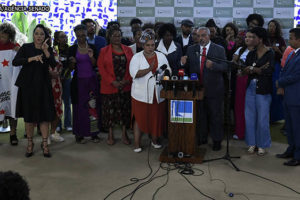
(100, 42)
(184, 48)
(106, 69)
(290, 80)
(213, 82)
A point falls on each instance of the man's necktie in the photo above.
(203, 58)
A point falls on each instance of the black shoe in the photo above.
(216, 146)
(292, 162)
(13, 140)
(284, 155)
(202, 142)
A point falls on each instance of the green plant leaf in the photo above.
(30, 31)
(44, 23)
(19, 19)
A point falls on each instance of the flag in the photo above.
(8, 90)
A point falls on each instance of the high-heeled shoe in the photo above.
(29, 151)
(44, 146)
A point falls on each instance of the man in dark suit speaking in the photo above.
(289, 85)
(200, 59)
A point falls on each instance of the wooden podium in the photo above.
(182, 113)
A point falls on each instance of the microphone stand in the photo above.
(227, 155)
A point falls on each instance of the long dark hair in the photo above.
(278, 31)
(44, 29)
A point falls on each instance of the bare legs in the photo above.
(137, 135)
(54, 124)
(44, 126)
(29, 128)
(137, 138)
(111, 140)
(125, 136)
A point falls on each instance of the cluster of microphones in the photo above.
(180, 75)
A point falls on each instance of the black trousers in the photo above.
(210, 119)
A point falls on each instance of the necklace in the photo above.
(82, 47)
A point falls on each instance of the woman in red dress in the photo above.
(148, 109)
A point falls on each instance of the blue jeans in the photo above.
(257, 109)
(66, 97)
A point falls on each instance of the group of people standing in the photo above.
(113, 80)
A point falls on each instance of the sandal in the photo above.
(44, 146)
(261, 152)
(126, 140)
(29, 151)
(110, 142)
(251, 149)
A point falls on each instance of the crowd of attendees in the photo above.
(107, 78)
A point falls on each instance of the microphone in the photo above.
(180, 74)
(167, 75)
(160, 69)
(174, 78)
(194, 76)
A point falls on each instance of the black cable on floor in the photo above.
(285, 186)
(168, 169)
(157, 190)
(134, 180)
(131, 194)
(225, 186)
(184, 169)
(195, 186)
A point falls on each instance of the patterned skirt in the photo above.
(116, 109)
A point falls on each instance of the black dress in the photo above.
(35, 101)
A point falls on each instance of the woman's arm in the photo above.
(143, 72)
(51, 59)
(21, 58)
(71, 60)
(267, 68)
